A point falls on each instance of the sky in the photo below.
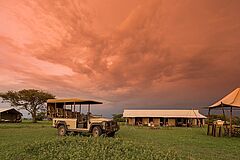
(128, 54)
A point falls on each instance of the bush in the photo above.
(236, 120)
(41, 116)
(118, 117)
(92, 148)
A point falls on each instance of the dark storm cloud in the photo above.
(162, 48)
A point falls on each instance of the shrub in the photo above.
(92, 148)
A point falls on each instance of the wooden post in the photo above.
(88, 108)
(223, 113)
(55, 110)
(133, 121)
(230, 133)
(215, 130)
(220, 131)
(208, 129)
(212, 129)
(74, 108)
(64, 105)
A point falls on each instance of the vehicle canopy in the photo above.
(73, 101)
(67, 108)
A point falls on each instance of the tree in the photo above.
(118, 117)
(41, 116)
(236, 120)
(31, 100)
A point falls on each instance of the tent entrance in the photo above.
(138, 121)
(181, 122)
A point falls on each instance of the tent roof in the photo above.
(12, 110)
(163, 113)
(232, 99)
(72, 101)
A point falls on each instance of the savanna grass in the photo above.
(40, 141)
(91, 148)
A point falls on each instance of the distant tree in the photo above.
(118, 117)
(236, 120)
(31, 100)
(41, 116)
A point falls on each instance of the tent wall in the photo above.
(145, 121)
(171, 122)
(194, 122)
(131, 121)
(9, 117)
(156, 121)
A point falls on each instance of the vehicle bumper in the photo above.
(112, 129)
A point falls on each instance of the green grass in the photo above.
(39, 141)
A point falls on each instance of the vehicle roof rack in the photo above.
(73, 101)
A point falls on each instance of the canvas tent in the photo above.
(161, 117)
(10, 115)
(230, 101)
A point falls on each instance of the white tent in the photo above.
(163, 113)
(231, 100)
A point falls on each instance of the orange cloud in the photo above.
(163, 53)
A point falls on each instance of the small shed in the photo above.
(10, 115)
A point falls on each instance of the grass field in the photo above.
(39, 141)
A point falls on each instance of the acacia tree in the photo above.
(31, 100)
(118, 117)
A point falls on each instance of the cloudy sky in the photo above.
(128, 54)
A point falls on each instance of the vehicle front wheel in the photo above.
(62, 130)
(96, 132)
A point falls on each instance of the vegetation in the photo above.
(214, 117)
(41, 116)
(236, 120)
(31, 100)
(90, 148)
(39, 141)
(118, 117)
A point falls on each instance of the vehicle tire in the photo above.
(96, 132)
(112, 134)
(62, 130)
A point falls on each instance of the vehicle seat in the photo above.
(82, 121)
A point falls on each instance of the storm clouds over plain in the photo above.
(127, 53)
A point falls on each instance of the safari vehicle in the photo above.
(68, 117)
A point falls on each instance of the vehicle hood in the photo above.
(99, 119)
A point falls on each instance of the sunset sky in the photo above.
(126, 53)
